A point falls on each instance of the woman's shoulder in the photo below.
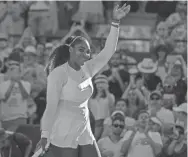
(59, 72)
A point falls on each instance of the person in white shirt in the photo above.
(156, 108)
(141, 141)
(101, 103)
(14, 95)
(65, 122)
(110, 146)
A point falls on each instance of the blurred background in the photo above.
(153, 32)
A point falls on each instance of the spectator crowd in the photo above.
(137, 108)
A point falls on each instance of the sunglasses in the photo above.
(119, 125)
(168, 86)
(155, 98)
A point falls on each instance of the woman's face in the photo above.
(169, 100)
(80, 53)
(132, 96)
(114, 61)
(161, 55)
(121, 105)
(101, 86)
(143, 119)
(182, 116)
(176, 71)
(162, 29)
(30, 58)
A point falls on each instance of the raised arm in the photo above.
(56, 80)
(97, 63)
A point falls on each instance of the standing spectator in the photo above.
(161, 52)
(178, 145)
(148, 68)
(33, 72)
(134, 96)
(101, 103)
(7, 139)
(15, 94)
(155, 108)
(141, 141)
(111, 144)
(179, 72)
(89, 11)
(43, 18)
(121, 108)
(181, 113)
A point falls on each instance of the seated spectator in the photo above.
(141, 141)
(15, 96)
(111, 144)
(101, 103)
(7, 139)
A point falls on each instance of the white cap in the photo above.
(156, 120)
(31, 49)
(181, 108)
(49, 45)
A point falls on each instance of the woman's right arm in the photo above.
(55, 82)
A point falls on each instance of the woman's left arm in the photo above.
(97, 63)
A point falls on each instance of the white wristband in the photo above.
(45, 134)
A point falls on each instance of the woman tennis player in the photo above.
(65, 123)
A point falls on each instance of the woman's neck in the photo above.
(74, 65)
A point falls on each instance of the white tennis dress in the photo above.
(66, 119)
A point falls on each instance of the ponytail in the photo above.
(60, 55)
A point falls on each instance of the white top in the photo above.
(100, 107)
(15, 107)
(66, 118)
(106, 145)
(137, 149)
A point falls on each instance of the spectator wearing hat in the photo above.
(155, 108)
(101, 103)
(33, 72)
(111, 144)
(181, 112)
(156, 125)
(141, 141)
(148, 68)
(8, 139)
(177, 145)
(121, 107)
(15, 94)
